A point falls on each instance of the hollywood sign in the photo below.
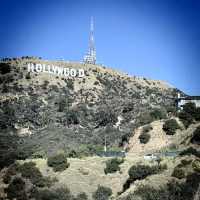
(58, 71)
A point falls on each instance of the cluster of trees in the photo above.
(140, 171)
(189, 114)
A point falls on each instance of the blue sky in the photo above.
(158, 39)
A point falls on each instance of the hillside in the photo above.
(47, 111)
(84, 175)
(52, 128)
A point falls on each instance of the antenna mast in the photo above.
(90, 57)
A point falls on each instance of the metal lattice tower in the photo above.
(90, 57)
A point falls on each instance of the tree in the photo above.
(102, 193)
(58, 162)
(170, 126)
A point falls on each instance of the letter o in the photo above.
(38, 68)
(73, 72)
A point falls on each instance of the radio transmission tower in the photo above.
(90, 57)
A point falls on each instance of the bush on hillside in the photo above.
(72, 117)
(190, 108)
(191, 185)
(158, 114)
(185, 118)
(112, 165)
(147, 192)
(70, 84)
(178, 173)
(54, 194)
(196, 136)
(81, 196)
(196, 165)
(185, 162)
(145, 118)
(16, 189)
(190, 151)
(147, 128)
(104, 118)
(61, 105)
(144, 137)
(58, 162)
(189, 113)
(138, 172)
(102, 193)
(173, 191)
(197, 114)
(30, 171)
(11, 171)
(170, 126)
(171, 109)
(5, 68)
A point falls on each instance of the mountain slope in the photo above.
(52, 113)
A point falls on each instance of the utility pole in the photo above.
(105, 145)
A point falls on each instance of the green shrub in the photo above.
(112, 165)
(171, 109)
(178, 173)
(16, 189)
(105, 117)
(170, 126)
(28, 75)
(39, 154)
(102, 193)
(70, 84)
(30, 171)
(172, 191)
(196, 136)
(147, 128)
(191, 185)
(58, 162)
(190, 108)
(73, 154)
(138, 172)
(96, 83)
(144, 137)
(11, 171)
(81, 196)
(185, 162)
(72, 117)
(61, 105)
(55, 194)
(5, 68)
(158, 113)
(186, 118)
(196, 165)
(197, 114)
(189, 113)
(145, 118)
(147, 192)
(190, 151)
